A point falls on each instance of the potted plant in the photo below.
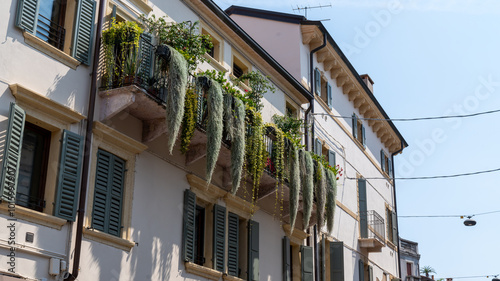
(132, 67)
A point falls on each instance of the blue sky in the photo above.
(431, 58)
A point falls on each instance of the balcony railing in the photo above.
(409, 247)
(412, 278)
(375, 225)
(50, 32)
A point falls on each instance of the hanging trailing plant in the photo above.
(177, 82)
(259, 84)
(228, 116)
(189, 119)
(307, 180)
(255, 152)
(292, 127)
(331, 192)
(237, 144)
(294, 184)
(320, 186)
(214, 126)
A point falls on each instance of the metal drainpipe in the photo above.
(396, 204)
(87, 146)
(311, 108)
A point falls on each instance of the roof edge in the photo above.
(264, 14)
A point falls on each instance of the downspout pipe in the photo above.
(87, 146)
(311, 108)
(396, 203)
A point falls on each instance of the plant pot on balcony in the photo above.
(163, 52)
(132, 80)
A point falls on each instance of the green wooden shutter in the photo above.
(394, 228)
(27, 15)
(336, 261)
(307, 268)
(361, 270)
(389, 163)
(253, 250)
(331, 158)
(318, 147)
(330, 98)
(287, 269)
(323, 259)
(363, 135)
(108, 193)
(363, 220)
(219, 237)
(233, 236)
(354, 126)
(317, 82)
(382, 160)
(68, 179)
(12, 153)
(83, 31)
(146, 53)
(370, 273)
(188, 228)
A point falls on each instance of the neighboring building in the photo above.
(410, 260)
(121, 207)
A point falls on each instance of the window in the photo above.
(240, 65)
(335, 257)
(291, 111)
(363, 208)
(67, 25)
(385, 163)
(215, 51)
(28, 150)
(358, 130)
(323, 88)
(297, 261)
(392, 231)
(409, 270)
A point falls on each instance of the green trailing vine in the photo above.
(259, 84)
(331, 192)
(189, 119)
(214, 126)
(294, 184)
(320, 187)
(336, 170)
(291, 127)
(307, 180)
(237, 144)
(276, 162)
(177, 82)
(255, 151)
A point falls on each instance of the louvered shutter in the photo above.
(84, 31)
(331, 158)
(394, 228)
(108, 193)
(363, 220)
(336, 261)
(188, 231)
(27, 15)
(323, 259)
(318, 147)
(12, 153)
(287, 269)
(219, 237)
(355, 126)
(382, 160)
(146, 53)
(317, 82)
(233, 222)
(370, 273)
(330, 97)
(361, 270)
(363, 135)
(307, 268)
(253, 250)
(389, 164)
(68, 179)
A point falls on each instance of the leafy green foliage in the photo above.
(291, 127)
(189, 119)
(260, 85)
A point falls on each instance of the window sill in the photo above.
(213, 62)
(240, 85)
(50, 50)
(33, 216)
(143, 5)
(202, 271)
(108, 239)
(227, 277)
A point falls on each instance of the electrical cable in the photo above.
(437, 177)
(463, 277)
(416, 118)
(448, 216)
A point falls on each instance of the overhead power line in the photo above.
(415, 119)
(450, 216)
(463, 277)
(435, 177)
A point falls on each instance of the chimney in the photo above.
(368, 81)
(449, 279)
(432, 277)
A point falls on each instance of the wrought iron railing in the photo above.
(375, 225)
(50, 32)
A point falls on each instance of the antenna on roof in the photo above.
(305, 8)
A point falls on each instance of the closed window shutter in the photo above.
(331, 158)
(307, 267)
(219, 237)
(27, 15)
(394, 228)
(146, 53)
(355, 126)
(363, 135)
(287, 269)
(363, 220)
(361, 270)
(108, 193)
(68, 180)
(336, 261)
(232, 244)
(84, 31)
(370, 273)
(382, 160)
(253, 250)
(318, 147)
(330, 98)
(12, 153)
(323, 258)
(317, 82)
(389, 163)
(188, 231)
